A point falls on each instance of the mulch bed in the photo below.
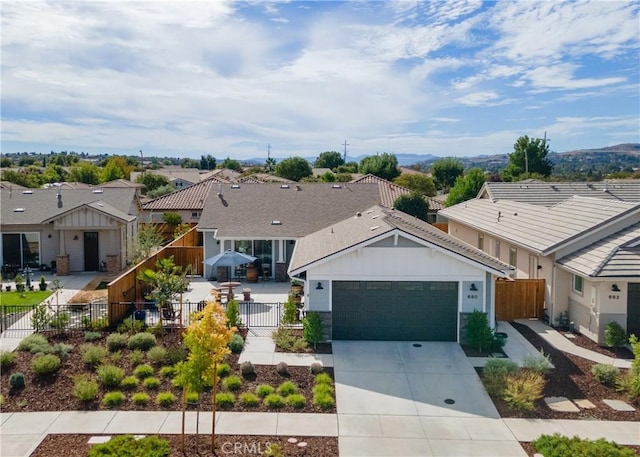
(584, 342)
(55, 392)
(76, 445)
(571, 378)
(321, 348)
(472, 352)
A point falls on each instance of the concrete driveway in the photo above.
(414, 398)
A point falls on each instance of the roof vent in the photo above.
(276, 222)
(235, 186)
(298, 188)
(98, 191)
(101, 205)
(336, 186)
(375, 227)
(18, 210)
(375, 217)
(284, 186)
(27, 192)
(358, 214)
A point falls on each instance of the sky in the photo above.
(183, 79)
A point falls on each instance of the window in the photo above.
(513, 257)
(195, 215)
(577, 284)
(481, 241)
(21, 249)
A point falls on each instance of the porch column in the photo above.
(281, 250)
(62, 249)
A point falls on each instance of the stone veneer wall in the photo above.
(326, 321)
(62, 265)
(113, 263)
(281, 272)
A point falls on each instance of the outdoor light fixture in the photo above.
(319, 286)
(75, 237)
(615, 288)
(473, 287)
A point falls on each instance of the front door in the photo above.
(91, 255)
(633, 309)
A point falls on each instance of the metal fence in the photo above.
(18, 321)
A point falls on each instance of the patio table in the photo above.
(230, 285)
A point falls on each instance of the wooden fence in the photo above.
(519, 299)
(187, 252)
(444, 226)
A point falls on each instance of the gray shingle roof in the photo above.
(389, 191)
(191, 197)
(247, 210)
(616, 256)
(376, 222)
(552, 193)
(538, 228)
(42, 204)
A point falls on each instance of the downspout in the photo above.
(552, 295)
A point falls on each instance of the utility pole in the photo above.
(345, 151)
(268, 151)
(142, 161)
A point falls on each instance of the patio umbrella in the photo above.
(229, 258)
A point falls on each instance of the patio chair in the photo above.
(170, 317)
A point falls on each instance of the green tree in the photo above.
(445, 172)
(529, 156)
(54, 173)
(160, 191)
(384, 166)
(6, 163)
(270, 165)
(232, 164)
(329, 159)
(147, 241)
(85, 172)
(418, 183)
(207, 162)
(152, 181)
(167, 281)
(413, 204)
(116, 167)
(293, 168)
(189, 163)
(22, 178)
(349, 167)
(466, 187)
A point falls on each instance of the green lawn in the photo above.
(31, 298)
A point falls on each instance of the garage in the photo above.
(394, 310)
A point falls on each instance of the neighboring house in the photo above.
(381, 274)
(9, 185)
(389, 193)
(78, 229)
(265, 220)
(180, 183)
(585, 248)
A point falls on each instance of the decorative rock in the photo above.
(302, 444)
(619, 405)
(570, 336)
(584, 404)
(98, 439)
(292, 440)
(561, 404)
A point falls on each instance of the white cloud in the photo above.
(560, 76)
(477, 98)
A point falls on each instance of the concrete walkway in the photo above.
(261, 350)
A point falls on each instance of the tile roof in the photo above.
(42, 204)
(552, 193)
(541, 229)
(373, 223)
(247, 211)
(615, 256)
(121, 183)
(389, 192)
(191, 197)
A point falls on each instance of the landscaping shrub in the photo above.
(92, 336)
(264, 389)
(282, 368)
(313, 329)
(62, 350)
(143, 371)
(287, 388)
(85, 389)
(1, 400)
(320, 389)
(605, 374)
(232, 383)
(33, 343)
(116, 341)
(177, 354)
(323, 400)
(113, 399)
(233, 314)
(539, 363)
(249, 399)
(129, 383)
(43, 364)
(523, 389)
(286, 339)
(157, 355)
(494, 373)
(99, 325)
(316, 368)
(93, 355)
(169, 371)
(130, 326)
(225, 400)
(16, 381)
(296, 401)
(479, 335)
(116, 356)
(110, 375)
(557, 445)
(223, 370)
(323, 378)
(247, 369)
(7, 360)
(127, 445)
(290, 313)
(166, 399)
(143, 341)
(151, 383)
(140, 399)
(193, 398)
(630, 382)
(273, 401)
(614, 335)
(236, 344)
(136, 357)
(299, 345)
(59, 320)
